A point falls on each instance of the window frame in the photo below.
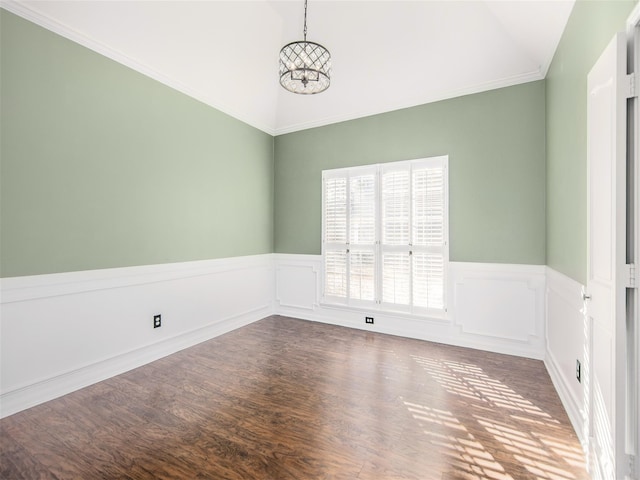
(377, 303)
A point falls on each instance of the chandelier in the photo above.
(305, 67)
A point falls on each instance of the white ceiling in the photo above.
(385, 55)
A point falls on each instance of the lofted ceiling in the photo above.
(385, 55)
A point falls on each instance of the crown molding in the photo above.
(634, 18)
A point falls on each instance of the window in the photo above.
(385, 241)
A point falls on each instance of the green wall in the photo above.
(103, 167)
(590, 28)
(496, 146)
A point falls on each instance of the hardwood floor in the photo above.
(290, 399)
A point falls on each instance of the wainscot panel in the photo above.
(568, 340)
(65, 331)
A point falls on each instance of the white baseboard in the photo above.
(505, 312)
(65, 331)
(570, 404)
(566, 338)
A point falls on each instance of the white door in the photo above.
(606, 118)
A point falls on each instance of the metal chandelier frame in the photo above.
(305, 67)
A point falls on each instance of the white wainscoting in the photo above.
(493, 307)
(499, 307)
(65, 331)
(568, 340)
(297, 282)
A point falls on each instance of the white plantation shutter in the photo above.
(362, 236)
(396, 275)
(428, 206)
(428, 280)
(349, 235)
(335, 236)
(362, 275)
(362, 210)
(335, 205)
(385, 236)
(395, 207)
(335, 273)
(395, 229)
(428, 236)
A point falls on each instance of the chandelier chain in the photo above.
(305, 20)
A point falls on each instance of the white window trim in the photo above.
(377, 305)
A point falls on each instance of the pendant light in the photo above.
(305, 67)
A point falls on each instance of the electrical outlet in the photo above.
(368, 320)
(157, 321)
(578, 371)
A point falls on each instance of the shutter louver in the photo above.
(428, 207)
(335, 273)
(362, 211)
(428, 280)
(335, 212)
(395, 278)
(395, 207)
(362, 275)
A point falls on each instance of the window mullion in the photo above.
(378, 267)
(411, 193)
(348, 238)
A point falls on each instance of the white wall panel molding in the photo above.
(65, 331)
(493, 307)
(498, 307)
(298, 281)
(502, 302)
(568, 338)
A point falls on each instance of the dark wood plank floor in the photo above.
(289, 399)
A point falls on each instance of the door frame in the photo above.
(632, 394)
(607, 159)
(627, 257)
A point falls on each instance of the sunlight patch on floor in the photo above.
(527, 438)
(466, 452)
